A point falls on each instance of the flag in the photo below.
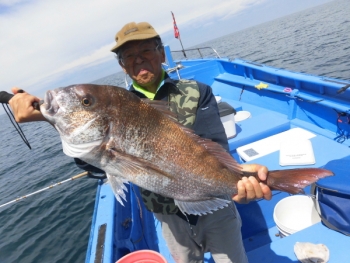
(176, 30)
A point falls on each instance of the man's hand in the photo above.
(22, 107)
(249, 188)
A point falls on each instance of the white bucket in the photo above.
(295, 213)
(242, 115)
(229, 124)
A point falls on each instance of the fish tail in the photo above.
(293, 181)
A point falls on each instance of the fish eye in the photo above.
(86, 102)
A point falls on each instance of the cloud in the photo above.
(9, 3)
(41, 39)
(47, 44)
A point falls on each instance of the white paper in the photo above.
(296, 152)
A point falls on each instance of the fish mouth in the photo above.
(50, 104)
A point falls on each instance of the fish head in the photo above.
(81, 114)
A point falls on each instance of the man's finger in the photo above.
(250, 189)
(262, 173)
(257, 191)
(16, 90)
(267, 194)
(260, 169)
(240, 197)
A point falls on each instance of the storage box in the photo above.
(227, 116)
(271, 144)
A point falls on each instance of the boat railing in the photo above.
(175, 58)
(200, 52)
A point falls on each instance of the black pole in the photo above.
(183, 50)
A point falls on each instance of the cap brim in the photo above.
(133, 38)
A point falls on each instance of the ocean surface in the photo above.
(54, 225)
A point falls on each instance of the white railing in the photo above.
(191, 53)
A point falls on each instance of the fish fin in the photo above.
(129, 164)
(223, 157)
(202, 207)
(217, 150)
(118, 187)
(110, 145)
(163, 107)
(293, 181)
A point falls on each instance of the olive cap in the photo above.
(134, 31)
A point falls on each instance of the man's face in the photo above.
(142, 61)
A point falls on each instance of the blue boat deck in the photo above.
(264, 246)
(309, 102)
(259, 230)
(282, 250)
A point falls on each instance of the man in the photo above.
(140, 54)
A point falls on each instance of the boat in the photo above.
(279, 102)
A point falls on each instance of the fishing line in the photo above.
(46, 188)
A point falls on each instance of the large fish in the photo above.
(139, 141)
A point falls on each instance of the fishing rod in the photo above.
(46, 188)
(4, 99)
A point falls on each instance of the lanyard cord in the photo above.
(15, 124)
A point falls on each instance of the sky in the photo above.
(49, 44)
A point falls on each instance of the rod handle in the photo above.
(5, 97)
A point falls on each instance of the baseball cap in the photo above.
(134, 31)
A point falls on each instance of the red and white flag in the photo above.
(176, 30)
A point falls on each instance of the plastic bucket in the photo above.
(295, 213)
(242, 115)
(142, 256)
(229, 124)
(227, 116)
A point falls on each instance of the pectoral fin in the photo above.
(118, 187)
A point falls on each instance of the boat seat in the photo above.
(261, 124)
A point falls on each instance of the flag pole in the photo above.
(177, 34)
(183, 50)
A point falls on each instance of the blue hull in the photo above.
(291, 100)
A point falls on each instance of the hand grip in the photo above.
(5, 97)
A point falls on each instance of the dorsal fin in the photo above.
(163, 107)
(217, 150)
(212, 147)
